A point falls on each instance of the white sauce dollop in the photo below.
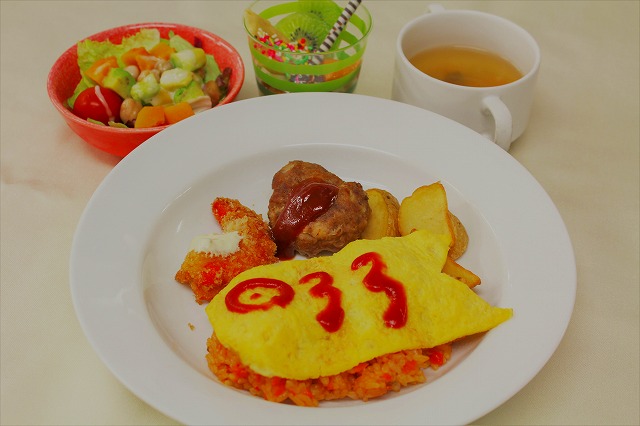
(217, 244)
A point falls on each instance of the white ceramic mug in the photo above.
(500, 113)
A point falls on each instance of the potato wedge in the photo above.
(461, 238)
(426, 208)
(383, 219)
(460, 273)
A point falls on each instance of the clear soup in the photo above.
(466, 66)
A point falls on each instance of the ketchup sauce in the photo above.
(309, 200)
(284, 297)
(332, 316)
(376, 281)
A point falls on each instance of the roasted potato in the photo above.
(461, 238)
(426, 208)
(460, 273)
(383, 219)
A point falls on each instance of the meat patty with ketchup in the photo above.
(312, 210)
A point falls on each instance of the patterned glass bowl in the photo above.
(280, 69)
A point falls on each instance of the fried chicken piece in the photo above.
(342, 223)
(208, 273)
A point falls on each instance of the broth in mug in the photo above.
(466, 66)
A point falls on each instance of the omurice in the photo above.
(366, 320)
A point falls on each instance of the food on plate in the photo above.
(383, 219)
(214, 259)
(461, 237)
(426, 208)
(365, 381)
(386, 304)
(308, 330)
(460, 273)
(149, 76)
(312, 211)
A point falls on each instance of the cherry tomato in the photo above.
(98, 103)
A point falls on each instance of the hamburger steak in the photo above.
(341, 221)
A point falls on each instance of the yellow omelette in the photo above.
(303, 319)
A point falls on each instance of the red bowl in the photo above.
(65, 75)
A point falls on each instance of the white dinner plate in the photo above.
(137, 227)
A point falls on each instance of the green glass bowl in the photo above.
(280, 70)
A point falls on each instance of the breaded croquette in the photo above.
(208, 273)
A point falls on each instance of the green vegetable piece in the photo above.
(211, 69)
(82, 85)
(189, 59)
(145, 89)
(91, 120)
(90, 51)
(120, 81)
(192, 91)
(118, 125)
(179, 43)
(163, 97)
(175, 78)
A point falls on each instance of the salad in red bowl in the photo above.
(119, 87)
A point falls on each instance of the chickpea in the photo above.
(145, 73)
(162, 66)
(133, 70)
(201, 103)
(129, 110)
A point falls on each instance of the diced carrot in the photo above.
(177, 112)
(129, 57)
(150, 116)
(100, 68)
(146, 62)
(162, 50)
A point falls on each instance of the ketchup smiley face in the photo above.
(282, 299)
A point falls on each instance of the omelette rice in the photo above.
(357, 324)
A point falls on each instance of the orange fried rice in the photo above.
(365, 381)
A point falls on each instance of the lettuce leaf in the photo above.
(90, 51)
(211, 68)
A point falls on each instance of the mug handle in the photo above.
(435, 8)
(494, 106)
